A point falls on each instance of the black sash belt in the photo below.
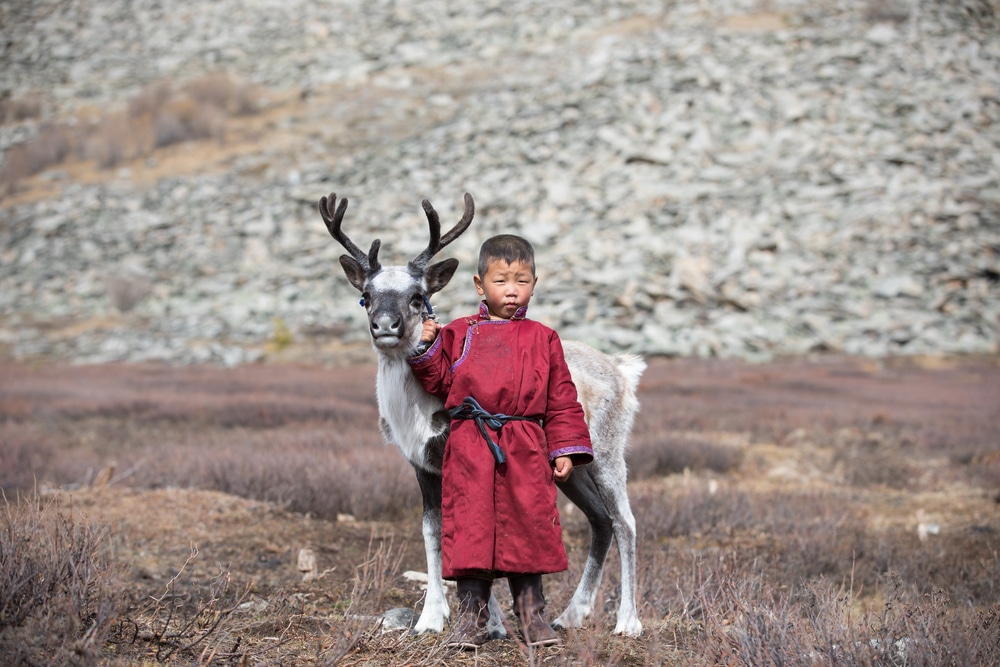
(470, 409)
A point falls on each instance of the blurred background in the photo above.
(735, 178)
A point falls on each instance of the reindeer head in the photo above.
(396, 296)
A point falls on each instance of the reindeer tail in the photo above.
(631, 367)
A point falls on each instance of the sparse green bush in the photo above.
(282, 337)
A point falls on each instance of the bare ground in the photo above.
(845, 470)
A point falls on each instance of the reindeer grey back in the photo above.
(397, 300)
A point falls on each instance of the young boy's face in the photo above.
(506, 287)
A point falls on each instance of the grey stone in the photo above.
(826, 184)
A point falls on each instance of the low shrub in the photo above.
(60, 594)
(656, 455)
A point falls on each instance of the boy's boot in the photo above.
(473, 613)
(529, 606)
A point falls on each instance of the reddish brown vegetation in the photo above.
(290, 436)
(804, 512)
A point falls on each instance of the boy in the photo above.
(516, 426)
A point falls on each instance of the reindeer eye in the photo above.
(365, 300)
(416, 301)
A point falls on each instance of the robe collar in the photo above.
(484, 312)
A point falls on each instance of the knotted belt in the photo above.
(470, 409)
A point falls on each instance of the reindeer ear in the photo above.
(355, 272)
(439, 274)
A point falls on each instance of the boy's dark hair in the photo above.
(507, 247)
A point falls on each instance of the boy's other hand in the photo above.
(563, 467)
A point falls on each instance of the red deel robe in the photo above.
(502, 518)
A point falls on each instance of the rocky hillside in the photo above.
(738, 178)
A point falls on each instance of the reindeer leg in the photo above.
(435, 610)
(582, 491)
(610, 480)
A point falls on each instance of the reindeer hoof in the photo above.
(629, 628)
(424, 627)
(571, 618)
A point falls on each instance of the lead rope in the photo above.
(430, 311)
(422, 346)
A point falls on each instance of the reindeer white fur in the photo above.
(416, 422)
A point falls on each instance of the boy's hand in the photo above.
(430, 331)
(564, 466)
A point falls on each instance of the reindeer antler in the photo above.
(333, 220)
(437, 242)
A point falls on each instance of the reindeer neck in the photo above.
(406, 408)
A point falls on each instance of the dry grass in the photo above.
(60, 592)
(747, 620)
(779, 510)
(160, 115)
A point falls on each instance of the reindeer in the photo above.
(397, 301)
